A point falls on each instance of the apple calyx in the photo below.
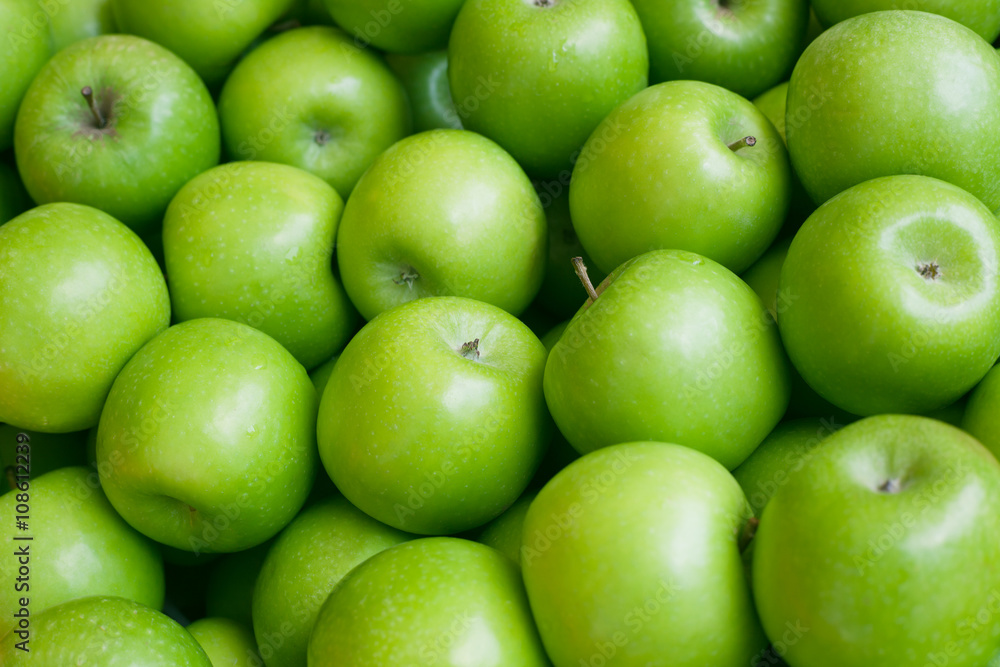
(745, 142)
(748, 533)
(581, 272)
(407, 276)
(891, 485)
(544, 3)
(930, 270)
(88, 94)
(322, 137)
(470, 350)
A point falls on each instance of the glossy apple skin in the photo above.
(106, 631)
(79, 294)
(865, 80)
(746, 48)
(425, 78)
(982, 414)
(539, 79)
(311, 99)
(23, 52)
(73, 20)
(504, 532)
(86, 548)
(673, 347)
(455, 604)
(396, 26)
(452, 208)
(162, 131)
(855, 554)
(658, 173)
(784, 452)
(226, 642)
(982, 16)
(253, 242)
(863, 326)
(208, 36)
(640, 540)
(322, 544)
(423, 438)
(207, 440)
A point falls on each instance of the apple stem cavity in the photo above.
(88, 94)
(745, 142)
(930, 270)
(470, 350)
(892, 485)
(581, 272)
(322, 137)
(544, 3)
(407, 277)
(748, 533)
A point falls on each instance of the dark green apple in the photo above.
(425, 78)
(442, 213)
(14, 199)
(982, 414)
(537, 76)
(49, 451)
(309, 557)
(80, 547)
(453, 603)
(881, 550)
(504, 532)
(253, 242)
(312, 99)
(672, 347)
(207, 440)
(396, 26)
(894, 296)
(23, 51)
(674, 167)
(433, 420)
(746, 47)
(632, 556)
(79, 294)
(982, 16)
(896, 92)
(209, 36)
(118, 123)
(231, 580)
(106, 631)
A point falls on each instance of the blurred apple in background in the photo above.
(312, 99)
(50, 451)
(982, 414)
(79, 294)
(14, 199)
(73, 20)
(253, 242)
(442, 213)
(504, 532)
(231, 580)
(23, 51)
(982, 16)
(226, 642)
(425, 78)
(396, 26)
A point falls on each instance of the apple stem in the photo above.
(581, 272)
(470, 350)
(748, 533)
(284, 26)
(191, 513)
(745, 142)
(88, 94)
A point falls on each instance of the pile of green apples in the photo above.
(481, 333)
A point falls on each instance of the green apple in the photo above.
(73, 20)
(537, 76)
(553, 335)
(105, 631)
(982, 414)
(23, 51)
(671, 347)
(79, 547)
(226, 642)
(425, 78)
(320, 375)
(312, 99)
(49, 451)
(438, 601)
(209, 36)
(433, 420)
(892, 513)
(207, 440)
(231, 580)
(322, 544)
(560, 291)
(79, 294)
(642, 541)
(746, 47)
(117, 123)
(982, 16)
(253, 242)
(442, 213)
(396, 26)
(894, 296)
(310, 12)
(504, 532)
(781, 456)
(896, 92)
(674, 168)
(14, 199)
